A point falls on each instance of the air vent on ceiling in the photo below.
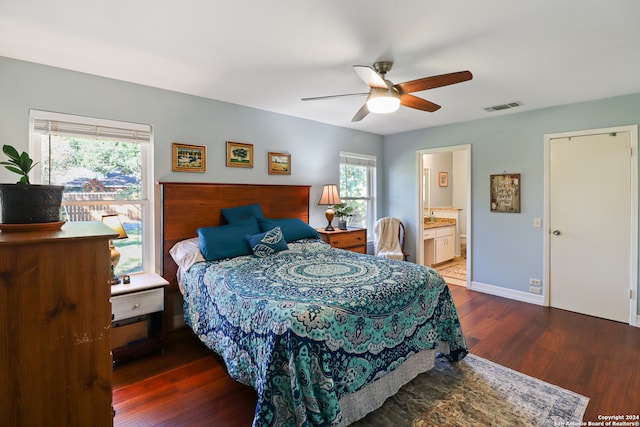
(503, 106)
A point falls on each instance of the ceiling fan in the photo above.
(386, 97)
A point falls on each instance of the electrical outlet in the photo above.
(537, 222)
(535, 290)
(535, 282)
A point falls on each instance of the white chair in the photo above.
(388, 238)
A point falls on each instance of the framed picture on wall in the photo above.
(505, 193)
(279, 163)
(239, 155)
(443, 179)
(188, 158)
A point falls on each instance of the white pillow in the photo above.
(186, 253)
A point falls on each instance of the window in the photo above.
(357, 187)
(105, 167)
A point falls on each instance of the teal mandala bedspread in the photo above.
(307, 325)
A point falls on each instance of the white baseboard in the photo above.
(507, 293)
(519, 296)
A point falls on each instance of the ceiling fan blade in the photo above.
(418, 103)
(315, 98)
(361, 114)
(433, 82)
(370, 76)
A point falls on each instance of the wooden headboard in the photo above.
(188, 206)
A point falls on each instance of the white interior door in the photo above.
(589, 222)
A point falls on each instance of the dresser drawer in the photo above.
(137, 304)
(445, 231)
(429, 234)
(362, 249)
(348, 240)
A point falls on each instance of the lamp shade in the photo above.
(330, 195)
(113, 222)
(383, 100)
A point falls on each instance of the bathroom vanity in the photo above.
(439, 238)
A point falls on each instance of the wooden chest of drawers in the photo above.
(55, 320)
(352, 239)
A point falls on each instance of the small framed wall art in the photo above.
(505, 193)
(239, 155)
(443, 179)
(279, 163)
(189, 158)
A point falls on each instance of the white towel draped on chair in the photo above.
(386, 238)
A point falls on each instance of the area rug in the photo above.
(477, 392)
(455, 271)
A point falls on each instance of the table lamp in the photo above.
(113, 222)
(329, 197)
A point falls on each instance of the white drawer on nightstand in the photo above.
(137, 304)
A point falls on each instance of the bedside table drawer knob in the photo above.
(136, 306)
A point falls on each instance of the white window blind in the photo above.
(357, 160)
(49, 123)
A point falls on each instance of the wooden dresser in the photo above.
(55, 320)
(352, 239)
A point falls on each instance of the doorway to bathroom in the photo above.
(444, 209)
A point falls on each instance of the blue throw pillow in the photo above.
(267, 243)
(292, 228)
(226, 241)
(241, 213)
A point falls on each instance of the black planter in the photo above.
(30, 204)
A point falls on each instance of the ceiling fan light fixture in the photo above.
(386, 97)
(383, 101)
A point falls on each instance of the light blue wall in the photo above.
(440, 162)
(506, 249)
(176, 117)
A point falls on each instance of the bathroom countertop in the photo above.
(439, 222)
(445, 208)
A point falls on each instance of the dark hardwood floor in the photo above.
(188, 384)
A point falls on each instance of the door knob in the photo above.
(556, 232)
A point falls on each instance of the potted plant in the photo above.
(23, 202)
(342, 212)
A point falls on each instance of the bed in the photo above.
(323, 335)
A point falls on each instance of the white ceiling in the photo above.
(269, 54)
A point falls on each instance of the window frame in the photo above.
(369, 161)
(147, 198)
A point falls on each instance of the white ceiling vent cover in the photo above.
(503, 106)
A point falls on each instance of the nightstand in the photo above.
(138, 325)
(352, 239)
